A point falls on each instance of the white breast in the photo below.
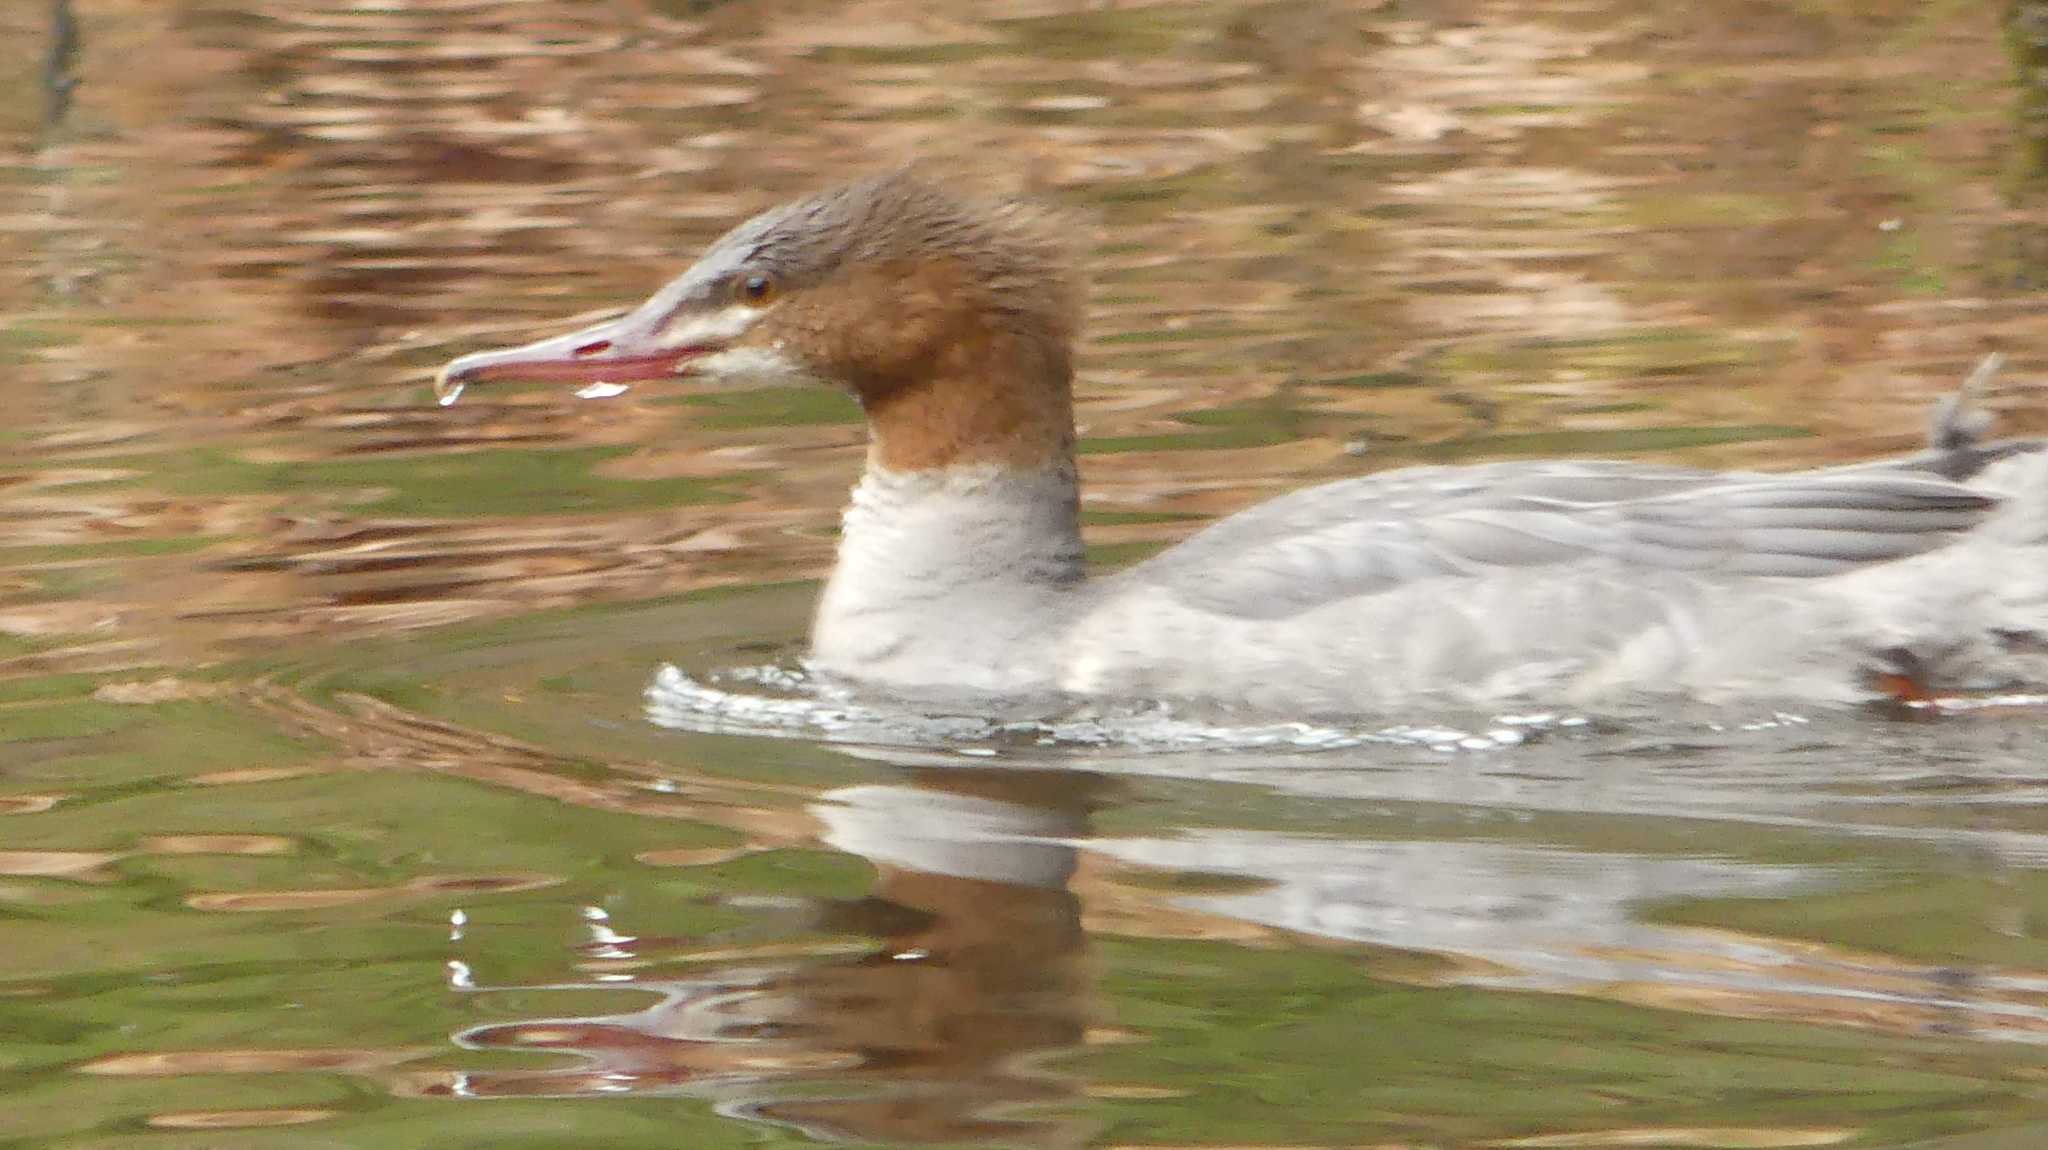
(953, 580)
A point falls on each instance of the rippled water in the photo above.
(379, 774)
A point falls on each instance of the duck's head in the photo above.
(951, 319)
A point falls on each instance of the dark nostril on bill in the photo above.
(593, 348)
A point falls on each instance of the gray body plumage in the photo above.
(1579, 582)
(1593, 582)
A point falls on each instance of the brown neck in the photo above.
(1001, 400)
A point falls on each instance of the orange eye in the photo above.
(754, 288)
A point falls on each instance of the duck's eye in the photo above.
(754, 288)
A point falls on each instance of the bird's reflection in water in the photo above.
(935, 1033)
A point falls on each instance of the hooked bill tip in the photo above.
(446, 391)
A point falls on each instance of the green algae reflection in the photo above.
(506, 482)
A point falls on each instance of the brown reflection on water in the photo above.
(80, 866)
(236, 1119)
(1719, 1137)
(426, 886)
(247, 845)
(932, 1031)
(246, 1062)
(376, 735)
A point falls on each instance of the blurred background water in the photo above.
(332, 814)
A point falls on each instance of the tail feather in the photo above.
(1957, 423)
(1958, 446)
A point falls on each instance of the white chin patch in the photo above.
(759, 364)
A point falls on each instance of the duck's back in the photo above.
(1589, 579)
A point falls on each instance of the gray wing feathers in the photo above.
(1799, 526)
(1365, 536)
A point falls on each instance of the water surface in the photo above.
(344, 798)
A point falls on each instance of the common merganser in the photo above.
(952, 321)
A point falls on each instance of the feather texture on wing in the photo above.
(1374, 534)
